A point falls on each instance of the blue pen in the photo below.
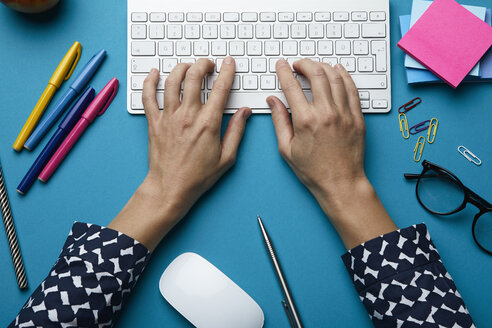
(75, 89)
(64, 128)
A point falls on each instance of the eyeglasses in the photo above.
(441, 192)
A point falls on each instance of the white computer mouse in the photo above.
(206, 296)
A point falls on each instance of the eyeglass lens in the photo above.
(483, 230)
(440, 192)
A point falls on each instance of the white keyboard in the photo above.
(354, 33)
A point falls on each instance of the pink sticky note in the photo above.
(448, 40)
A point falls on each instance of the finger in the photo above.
(337, 85)
(172, 86)
(222, 85)
(352, 92)
(291, 87)
(282, 123)
(149, 99)
(193, 81)
(233, 136)
(318, 80)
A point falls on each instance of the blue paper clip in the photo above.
(409, 105)
(417, 127)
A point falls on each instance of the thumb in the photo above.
(233, 135)
(282, 123)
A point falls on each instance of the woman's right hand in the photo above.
(324, 144)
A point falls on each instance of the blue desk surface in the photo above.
(110, 161)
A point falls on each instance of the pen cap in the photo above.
(67, 65)
(102, 101)
(74, 114)
(88, 71)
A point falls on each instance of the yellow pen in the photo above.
(62, 73)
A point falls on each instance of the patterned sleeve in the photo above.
(402, 282)
(87, 286)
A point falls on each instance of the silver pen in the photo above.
(288, 303)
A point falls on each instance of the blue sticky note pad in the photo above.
(415, 75)
(418, 9)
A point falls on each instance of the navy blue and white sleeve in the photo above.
(90, 282)
(402, 281)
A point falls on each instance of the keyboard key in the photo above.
(272, 48)
(348, 63)
(340, 16)
(242, 65)
(370, 81)
(183, 48)
(194, 17)
(364, 95)
(322, 16)
(307, 48)
(231, 17)
(139, 31)
(285, 17)
(292, 60)
(375, 30)
(280, 31)
(143, 48)
(157, 17)
(187, 60)
(192, 31)
(359, 16)
(227, 31)
(379, 104)
(263, 31)
(156, 31)
(365, 64)
(165, 48)
(271, 63)
(240, 99)
(249, 17)
(316, 31)
(303, 81)
(304, 17)
(144, 65)
(267, 82)
(250, 82)
(236, 84)
(210, 81)
(245, 31)
(351, 31)
(174, 31)
(333, 31)
(378, 48)
(377, 16)
(212, 17)
(175, 17)
(330, 60)
(137, 100)
(289, 48)
(236, 48)
(137, 82)
(364, 104)
(200, 48)
(169, 64)
(342, 47)
(139, 17)
(267, 17)
(253, 48)
(298, 31)
(361, 47)
(219, 48)
(210, 31)
(258, 65)
(325, 47)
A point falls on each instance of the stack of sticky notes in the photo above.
(445, 41)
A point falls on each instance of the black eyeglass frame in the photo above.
(469, 196)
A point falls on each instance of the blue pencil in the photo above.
(63, 129)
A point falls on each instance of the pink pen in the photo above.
(96, 108)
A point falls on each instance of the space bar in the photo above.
(256, 99)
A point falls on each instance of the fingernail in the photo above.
(282, 62)
(247, 113)
(228, 60)
(270, 102)
(339, 66)
(154, 71)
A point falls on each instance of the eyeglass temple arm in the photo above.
(411, 176)
(478, 198)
